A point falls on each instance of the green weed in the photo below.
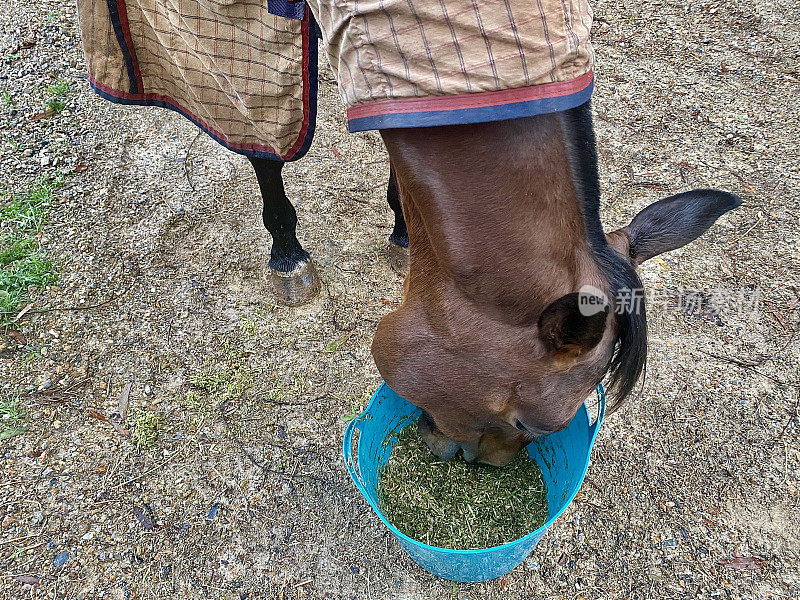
(11, 417)
(247, 327)
(354, 412)
(145, 427)
(223, 384)
(57, 93)
(336, 344)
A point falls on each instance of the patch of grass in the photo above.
(32, 269)
(7, 99)
(281, 393)
(223, 384)
(57, 93)
(22, 263)
(247, 327)
(145, 427)
(28, 212)
(455, 504)
(12, 416)
(13, 249)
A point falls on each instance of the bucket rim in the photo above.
(593, 428)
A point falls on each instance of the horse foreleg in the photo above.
(292, 272)
(398, 240)
(399, 234)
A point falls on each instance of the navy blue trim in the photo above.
(119, 32)
(170, 106)
(459, 116)
(289, 9)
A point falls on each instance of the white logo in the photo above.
(591, 300)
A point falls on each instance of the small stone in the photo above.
(148, 390)
(61, 558)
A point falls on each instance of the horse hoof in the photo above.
(398, 258)
(295, 287)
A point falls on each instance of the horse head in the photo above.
(517, 304)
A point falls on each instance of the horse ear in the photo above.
(573, 324)
(671, 223)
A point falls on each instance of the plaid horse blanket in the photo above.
(245, 71)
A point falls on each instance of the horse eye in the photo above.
(520, 426)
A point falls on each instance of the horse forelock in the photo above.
(629, 361)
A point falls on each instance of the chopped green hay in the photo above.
(456, 504)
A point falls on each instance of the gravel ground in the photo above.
(162, 308)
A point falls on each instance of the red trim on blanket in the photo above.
(306, 88)
(471, 100)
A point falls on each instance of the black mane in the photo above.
(630, 355)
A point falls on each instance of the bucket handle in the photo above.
(601, 412)
(347, 447)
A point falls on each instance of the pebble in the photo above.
(533, 565)
(61, 558)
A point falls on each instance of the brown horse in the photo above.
(491, 340)
(494, 339)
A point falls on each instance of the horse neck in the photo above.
(493, 212)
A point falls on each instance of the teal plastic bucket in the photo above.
(563, 458)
